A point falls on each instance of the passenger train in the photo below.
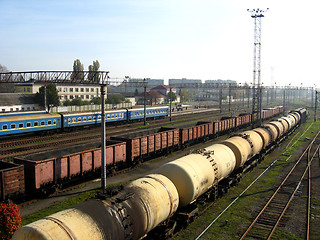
(30, 122)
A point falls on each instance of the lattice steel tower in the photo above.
(257, 14)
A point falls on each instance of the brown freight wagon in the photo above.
(60, 166)
(243, 120)
(141, 145)
(194, 132)
(226, 124)
(11, 180)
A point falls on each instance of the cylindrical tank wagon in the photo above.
(192, 175)
(141, 206)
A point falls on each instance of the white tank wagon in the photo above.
(265, 136)
(272, 130)
(224, 159)
(279, 127)
(241, 149)
(256, 140)
(285, 125)
(141, 206)
(192, 175)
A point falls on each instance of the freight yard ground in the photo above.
(239, 215)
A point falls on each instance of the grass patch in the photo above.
(72, 201)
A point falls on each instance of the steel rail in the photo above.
(278, 189)
(292, 195)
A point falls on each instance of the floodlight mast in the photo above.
(257, 14)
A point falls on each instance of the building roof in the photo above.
(8, 99)
(153, 94)
(162, 87)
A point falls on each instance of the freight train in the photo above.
(46, 171)
(31, 122)
(156, 200)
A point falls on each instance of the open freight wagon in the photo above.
(11, 180)
(56, 167)
(141, 145)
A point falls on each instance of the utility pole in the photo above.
(315, 107)
(103, 138)
(257, 14)
(170, 104)
(144, 101)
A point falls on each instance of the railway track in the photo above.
(29, 145)
(273, 214)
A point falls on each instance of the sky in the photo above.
(163, 39)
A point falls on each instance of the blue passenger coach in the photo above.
(29, 123)
(151, 112)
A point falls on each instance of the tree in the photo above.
(114, 99)
(96, 100)
(77, 73)
(52, 96)
(184, 95)
(93, 71)
(3, 69)
(173, 96)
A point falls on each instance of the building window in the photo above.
(71, 89)
(87, 96)
(87, 89)
(82, 89)
(77, 89)
(92, 89)
(65, 89)
(82, 96)
(28, 89)
(59, 89)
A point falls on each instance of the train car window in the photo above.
(42, 123)
(12, 126)
(94, 118)
(54, 122)
(49, 122)
(74, 120)
(108, 116)
(84, 119)
(79, 119)
(28, 124)
(35, 124)
(20, 125)
(89, 118)
(4, 127)
(112, 116)
(69, 120)
(99, 117)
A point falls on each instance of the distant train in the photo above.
(165, 198)
(30, 122)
